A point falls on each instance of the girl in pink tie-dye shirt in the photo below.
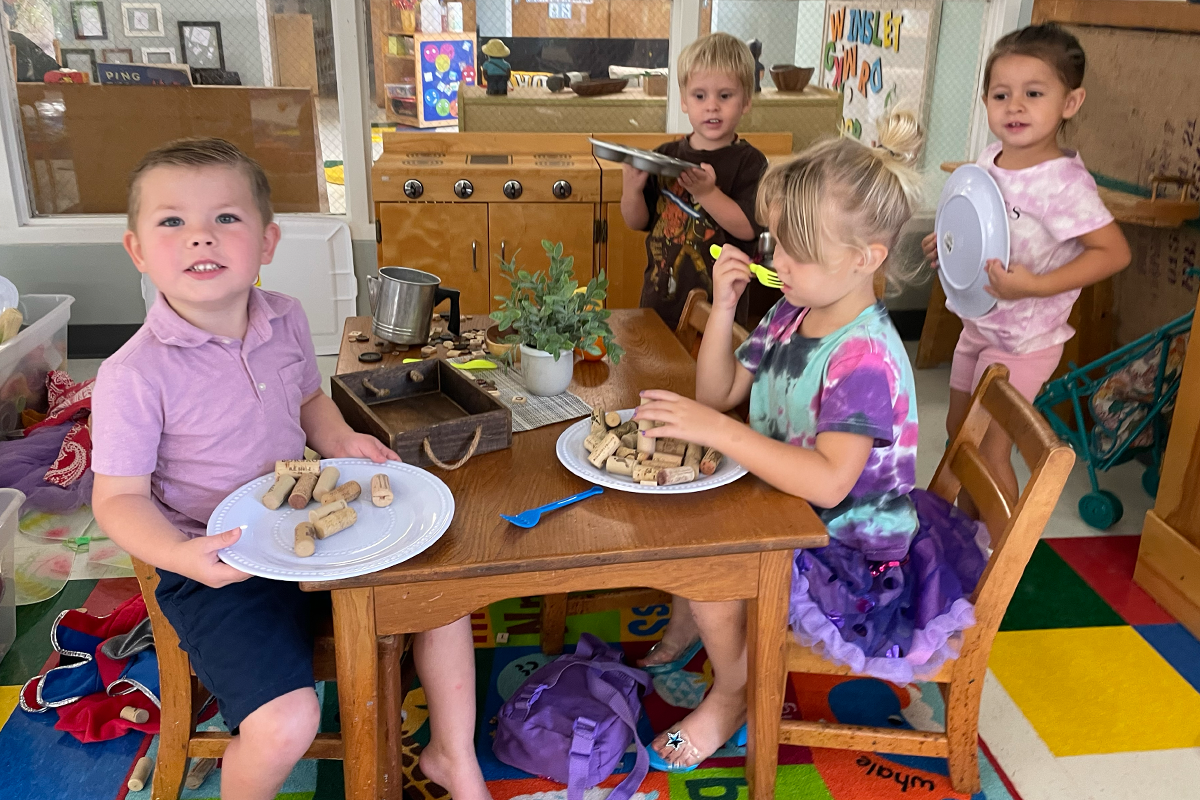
(1062, 237)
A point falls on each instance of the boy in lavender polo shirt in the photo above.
(218, 384)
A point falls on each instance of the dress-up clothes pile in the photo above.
(104, 665)
(52, 463)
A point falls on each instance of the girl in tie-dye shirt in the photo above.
(833, 420)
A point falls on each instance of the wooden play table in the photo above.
(735, 542)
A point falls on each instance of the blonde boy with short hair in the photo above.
(716, 81)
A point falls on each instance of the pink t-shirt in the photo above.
(203, 414)
(1049, 206)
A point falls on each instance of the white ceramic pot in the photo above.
(543, 375)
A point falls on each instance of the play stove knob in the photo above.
(463, 189)
(561, 190)
(512, 189)
(413, 189)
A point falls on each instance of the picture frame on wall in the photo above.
(81, 59)
(201, 45)
(87, 18)
(142, 19)
(117, 55)
(159, 55)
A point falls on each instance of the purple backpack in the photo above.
(574, 718)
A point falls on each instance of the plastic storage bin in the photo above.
(26, 358)
(10, 508)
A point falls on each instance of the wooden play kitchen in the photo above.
(722, 544)
(457, 206)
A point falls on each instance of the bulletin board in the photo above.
(444, 60)
(879, 55)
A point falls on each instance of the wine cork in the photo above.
(297, 468)
(325, 510)
(710, 461)
(302, 492)
(335, 522)
(625, 452)
(327, 480)
(348, 491)
(674, 447)
(646, 472)
(630, 440)
(692, 456)
(305, 544)
(593, 440)
(626, 428)
(381, 491)
(673, 475)
(141, 774)
(311, 455)
(279, 491)
(138, 716)
(645, 444)
(599, 421)
(666, 459)
(603, 450)
(648, 483)
(620, 466)
(612, 419)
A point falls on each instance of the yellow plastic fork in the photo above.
(765, 276)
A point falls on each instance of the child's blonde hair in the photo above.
(721, 53)
(852, 193)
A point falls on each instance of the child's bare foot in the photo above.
(704, 731)
(677, 638)
(457, 772)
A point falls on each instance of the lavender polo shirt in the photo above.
(203, 414)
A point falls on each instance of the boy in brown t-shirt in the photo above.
(716, 79)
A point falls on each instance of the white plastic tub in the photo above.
(26, 358)
(10, 507)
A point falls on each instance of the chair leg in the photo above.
(554, 623)
(962, 732)
(178, 715)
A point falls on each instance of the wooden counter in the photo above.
(83, 140)
(808, 115)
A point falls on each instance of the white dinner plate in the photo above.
(573, 456)
(971, 228)
(382, 537)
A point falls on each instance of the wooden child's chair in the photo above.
(1015, 525)
(183, 697)
(557, 607)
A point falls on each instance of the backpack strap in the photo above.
(616, 702)
(583, 741)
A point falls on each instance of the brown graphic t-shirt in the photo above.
(677, 247)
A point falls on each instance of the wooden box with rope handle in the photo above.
(429, 412)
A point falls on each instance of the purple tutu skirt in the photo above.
(23, 465)
(894, 620)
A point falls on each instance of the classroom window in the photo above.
(260, 73)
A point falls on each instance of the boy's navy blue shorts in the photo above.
(249, 642)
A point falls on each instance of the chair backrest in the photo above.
(690, 330)
(1015, 523)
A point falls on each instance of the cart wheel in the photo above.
(1150, 481)
(1100, 510)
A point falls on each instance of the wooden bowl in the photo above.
(599, 87)
(790, 78)
(498, 348)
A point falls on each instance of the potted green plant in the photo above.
(551, 315)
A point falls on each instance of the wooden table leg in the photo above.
(554, 623)
(766, 636)
(391, 697)
(358, 689)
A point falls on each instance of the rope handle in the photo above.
(470, 451)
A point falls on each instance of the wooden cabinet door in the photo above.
(625, 260)
(514, 227)
(448, 239)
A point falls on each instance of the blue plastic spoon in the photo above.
(527, 519)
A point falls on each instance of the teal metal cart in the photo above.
(1123, 427)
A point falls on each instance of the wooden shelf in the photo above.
(1133, 209)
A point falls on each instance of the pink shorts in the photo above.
(1027, 372)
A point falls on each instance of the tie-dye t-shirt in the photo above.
(855, 380)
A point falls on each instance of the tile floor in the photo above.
(1093, 691)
